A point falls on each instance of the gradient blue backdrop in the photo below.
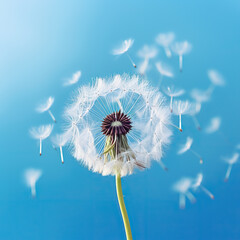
(43, 42)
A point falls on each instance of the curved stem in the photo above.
(123, 208)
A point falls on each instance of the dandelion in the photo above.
(230, 161)
(181, 108)
(46, 107)
(42, 132)
(60, 141)
(74, 79)
(214, 125)
(201, 96)
(147, 52)
(183, 187)
(187, 147)
(31, 177)
(216, 79)
(116, 126)
(164, 70)
(172, 93)
(126, 45)
(181, 48)
(165, 40)
(197, 184)
(195, 110)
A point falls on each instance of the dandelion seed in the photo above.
(172, 93)
(147, 52)
(60, 141)
(118, 125)
(42, 132)
(201, 96)
(181, 48)
(126, 45)
(187, 147)
(195, 110)
(164, 70)
(216, 78)
(46, 107)
(31, 177)
(181, 108)
(197, 184)
(74, 79)
(183, 187)
(143, 66)
(165, 40)
(230, 161)
(214, 125)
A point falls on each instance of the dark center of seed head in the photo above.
(116, 123)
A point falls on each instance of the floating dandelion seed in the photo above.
(197, 184)
(172, 93)
(31, 177)
(143, 66)
(74, 79)
(214, 125)
(164, 70)
(187, 147)
(183, 187)
(165, 40)
(181, 108)
(216, 78)
(195, 110)
(181, 48)
(118, 125)
(42, 132)
(201, 96)
(46, 107)
(126, 45)
(147, 52)
(60, 141)
(232, 160)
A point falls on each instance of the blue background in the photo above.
(44, 42)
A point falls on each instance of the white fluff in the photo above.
(45, 106)
(147, 52)
(74, 79)
(149, 114)
(201, 96)
(230, 161)
(214, 125)
(31, 176)
(181, 48)
(216, 78)
(42, 132)
(164, 70)
(165, 40)
(126, 44)
(185, 147)
(143, 66)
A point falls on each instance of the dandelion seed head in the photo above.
(126, 44)
(184, 148)
(45, 106)
(41, 132)
(74, 79)
(216, 78)
(147, 52)
(214, 125)
(164, 70)
(165, 39)
(181, 48)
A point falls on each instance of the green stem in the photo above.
(123, 208)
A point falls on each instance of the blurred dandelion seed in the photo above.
(197, 184)
(46, 107)
(230, 161)
(118, 125)
(126, 45)
(165, 40)
(201, 96)
(31, 176)
(216, 79)
(195, 110)
(187, 147)
(147, 52)
(183, 187)
(214, 125)
(181, 48)
(42, 132)
(74, 79)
